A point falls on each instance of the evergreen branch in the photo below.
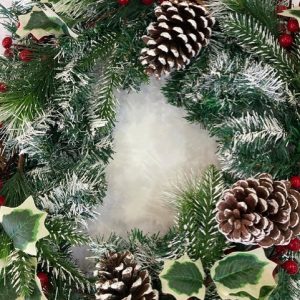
(253, 131)
(262, 10)
(16, 189)
(22, 273)
(58, 262)
(104, 107)
(259, 40)
(196, 218)
(63, 231)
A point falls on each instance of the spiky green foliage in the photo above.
(196, 225)
(249, 109)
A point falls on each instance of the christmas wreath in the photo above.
(233, 65)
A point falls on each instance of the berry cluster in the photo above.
(24, 55)
(289, 29)
(289, 265)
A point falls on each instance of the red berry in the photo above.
(2, 200)
(161, 1)
(9, 53)
(44, 279)
(291, 267)
(147, 2)
(25, 55)
(285, 40)
(123, 2)
(280, 250)
(7, 42)
(294, 245)
(295, 182)
(3, 87)
(293, 25)
(280, 8)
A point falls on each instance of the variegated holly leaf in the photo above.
(42, 22)
(291, 13)
(244, 275)
(183, 278)
(25, 225)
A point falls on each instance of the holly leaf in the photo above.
(42, 22)
(291, 13)
(25, 225)
(243, 275)
(183, 278)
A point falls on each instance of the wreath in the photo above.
(233, 65)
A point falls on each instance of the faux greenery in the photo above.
(59, 111)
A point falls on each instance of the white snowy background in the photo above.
(155, 148)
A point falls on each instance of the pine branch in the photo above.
(196, 218)
(22, 273)
(63, 231)
(109, 80)
(259, 40)
(56, 261)
(262, 10)
(253, 131)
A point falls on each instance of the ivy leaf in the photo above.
(183, 278)
(42, 22)
(244, 274)
(25, 225)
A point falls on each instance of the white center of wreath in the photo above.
(154, 147)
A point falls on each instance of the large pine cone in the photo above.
(260, 211)
(181, 30)
(121, 278)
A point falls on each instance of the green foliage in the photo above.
(21, 270)
(52, 257)
(196, 225)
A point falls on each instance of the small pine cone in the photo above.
(260, 211)
(121, 278)
(181, 30)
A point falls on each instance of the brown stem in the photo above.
(21, 163)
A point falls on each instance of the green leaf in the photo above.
(42, 22)
(39, 19)
(238, 270)
(183, 278)
(244, 274)
(24, 225)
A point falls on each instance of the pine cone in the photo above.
(181, 30)
(260, 211)
(121, 278)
